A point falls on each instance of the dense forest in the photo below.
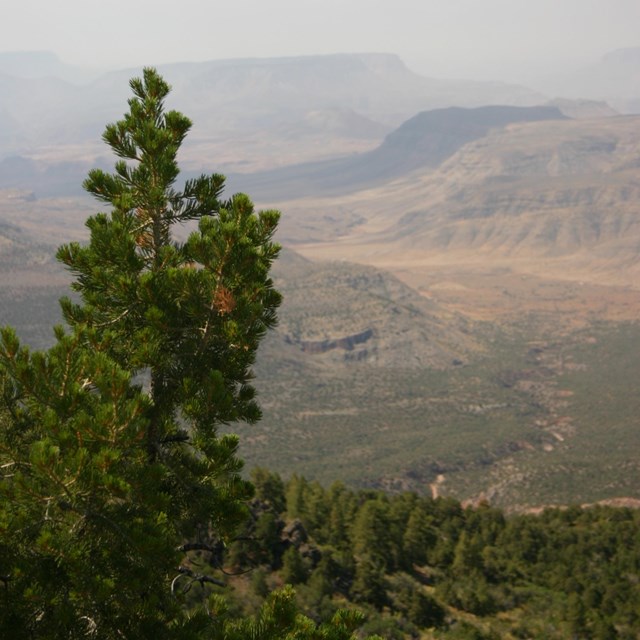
(414, 563)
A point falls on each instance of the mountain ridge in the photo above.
(558, 198)
(251, 95)
(423, 141)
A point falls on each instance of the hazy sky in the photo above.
(463, 38)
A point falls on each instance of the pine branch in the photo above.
(216, 552)
(195, 577)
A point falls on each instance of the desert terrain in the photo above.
(461, 280)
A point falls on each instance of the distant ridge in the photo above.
(30, 64)
(227, 97)
(614, 79)
(558, 198)
(431, 137)
(424, 141)
(41, 64)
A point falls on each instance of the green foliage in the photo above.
(190, 314)
(478, 573)
(293, 568)
(424, 611)
(470, 594)
(117, 495)
(279, 619)
(267, 534)
(78, 493)
(105, 475)
(418, 537)
(259, 583)
(369, 584)
(269, 488)
(372, 541)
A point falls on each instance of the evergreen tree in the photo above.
(267, 535)
(370, 534)
(189, 315)
(269, 488)
(418, 538)
(113, 471)
(297, 487)
(424, 611)
(90, 531)
(279, 619)
(369, 584)
(293, 568)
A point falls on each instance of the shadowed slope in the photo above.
(558, 198)
(424, 141)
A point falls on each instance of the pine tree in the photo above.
(190, 314)
(293, 568)
(185, 316)
(369, 584)
(89, 533)
(279, 619)
(112, 470)
(370, 533)
(115, 470)
(418, 537)
(269, 488)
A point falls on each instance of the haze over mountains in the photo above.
(371, 161)
(497, 241)
(421, 143)
(615, 78)
(236, 94)
(557, 197)
(40, 94)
